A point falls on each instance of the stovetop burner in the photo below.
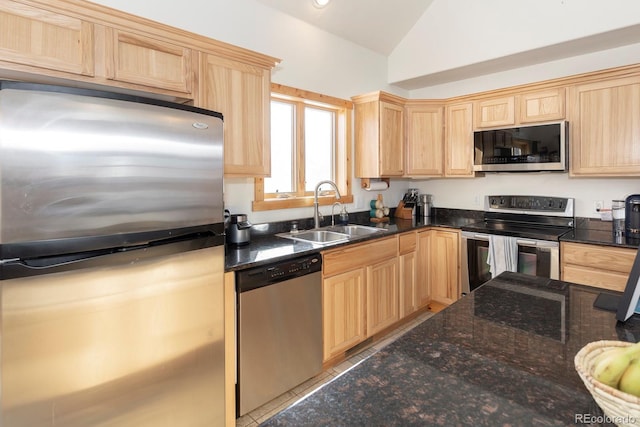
(529, 217)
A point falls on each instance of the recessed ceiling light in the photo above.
(320, 3)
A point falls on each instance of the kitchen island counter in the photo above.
(504, 355)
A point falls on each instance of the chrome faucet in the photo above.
(316, 210)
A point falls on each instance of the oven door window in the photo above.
(531, 260)
(527, 260)
(477, 253)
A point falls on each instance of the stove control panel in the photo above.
(533, 205)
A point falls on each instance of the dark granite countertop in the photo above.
(267, 247)
(504, 355)
(599, 237)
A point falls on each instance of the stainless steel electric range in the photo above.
(519, 233)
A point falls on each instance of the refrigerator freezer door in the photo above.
(141, 344)
(75, 166)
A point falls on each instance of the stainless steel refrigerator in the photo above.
(111, 260)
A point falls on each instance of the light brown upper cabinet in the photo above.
(605, 128)
(139, 60)
(520, 108)
(459, 140)
(34, 38)
(542, 105)
(494, 112)
(241, 92)
(425, 139)
(379, 135)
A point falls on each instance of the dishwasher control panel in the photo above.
(257, 277)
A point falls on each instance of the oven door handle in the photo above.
(540, 244)
(475, 236)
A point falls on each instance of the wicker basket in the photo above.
(622, 408)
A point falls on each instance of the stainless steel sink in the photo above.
(354, 230)
(333, 234)
(319, 237)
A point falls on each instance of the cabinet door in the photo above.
(382, 295)
(391, 139)
(605, 130)
(43, 39)
(459, 141)
(542, 106)
(408, 281)
(495, 112)
(343, 312)
(425, 141)
(241, 92)
(445, 266)
(423, 290)
(139, 60)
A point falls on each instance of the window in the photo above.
(310, 142)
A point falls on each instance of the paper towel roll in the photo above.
(377, 186)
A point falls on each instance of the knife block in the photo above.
(403, 211)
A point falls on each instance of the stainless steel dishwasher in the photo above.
(279, 329)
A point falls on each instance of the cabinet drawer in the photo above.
(350, 257)
(593, 277)
(407, 242)
(596, 257)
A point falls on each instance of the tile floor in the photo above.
(261, 414)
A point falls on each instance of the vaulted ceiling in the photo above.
(378, 25)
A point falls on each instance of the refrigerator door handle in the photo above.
(15, 268)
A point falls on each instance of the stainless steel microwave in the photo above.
(541, 147)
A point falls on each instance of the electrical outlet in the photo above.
(598, 205)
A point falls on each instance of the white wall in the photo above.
(318, 61)
(458, 33)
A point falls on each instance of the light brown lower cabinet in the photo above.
(342, 311)
(382, 296)
(368, 287)
(359, 293)
(438, 277)
(600, 266)
(445, 266)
